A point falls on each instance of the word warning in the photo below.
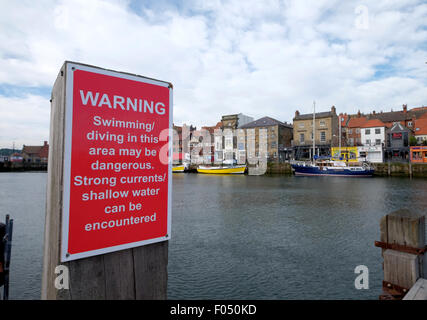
(117, 171)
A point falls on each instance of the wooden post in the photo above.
(136, 273)
(403, 244)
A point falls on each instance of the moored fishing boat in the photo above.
(235, 169)
(178, 168)
(332, 168)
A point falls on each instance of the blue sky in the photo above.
(262, 58)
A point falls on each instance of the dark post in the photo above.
(5, 252)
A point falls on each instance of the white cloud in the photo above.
(24, 120)
(260, 58)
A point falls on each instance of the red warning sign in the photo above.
(117, 171)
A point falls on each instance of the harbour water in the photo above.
(244, 237)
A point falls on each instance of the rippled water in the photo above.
(244, 237)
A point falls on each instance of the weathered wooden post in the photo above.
(108, 210)
(403, 248)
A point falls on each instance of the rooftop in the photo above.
(265, 122)
(420, 126)
(373, 123)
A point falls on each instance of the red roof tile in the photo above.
(373, 123)
(356, 122)
(420, 126)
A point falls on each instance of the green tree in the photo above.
(412, 141)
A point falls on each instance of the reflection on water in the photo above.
(244, 237)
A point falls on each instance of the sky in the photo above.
(261, 58)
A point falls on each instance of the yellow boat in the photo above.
(222, 169)
(178, 168)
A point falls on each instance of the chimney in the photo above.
(358, 114)
(45, 143)
(373, 112)
(296, 113)
(333, 110)
(405, 108)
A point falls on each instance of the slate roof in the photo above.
(308, 116)
(265, 122)
(395, 116)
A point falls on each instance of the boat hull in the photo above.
(176, 169)
(222, 170)
(341, 172)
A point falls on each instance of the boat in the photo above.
(234, 169)
(322, 166)
(332, 168)
(178, 168)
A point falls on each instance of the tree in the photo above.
(413, 141)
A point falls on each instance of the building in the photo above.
(405, 117)
(373, 137)
(326, 135)
(348, 154)
(279, 138)
(397, 146)
(234, 121)
(420, 130)
(4, 158)
(181, 143)
(36, 154)
(16, 157)
(353, 130)
(418, 154)
(209, 143)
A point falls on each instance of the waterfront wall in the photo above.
(10, 166)
(381, 169)
(279, 168)
(401, 169)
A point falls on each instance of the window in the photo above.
(322, 136)
(350, 131)
(322, 123)
(367, 131)
(410, 124)
(357, 130)
(351, 141)
(274, 144)
(377, 131)
(301, 138)
(301, 125)
(368, 142)
(377, 142)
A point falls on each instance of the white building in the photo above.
(371, 153)
(373, 139)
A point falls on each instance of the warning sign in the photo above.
(117, 171)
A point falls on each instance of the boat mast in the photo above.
(339, 120)
(314, 128)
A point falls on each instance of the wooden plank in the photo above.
(119, 275)
(52, 233)
(404, 227)
(150, 264)
(401, 268)
(418, 291)
(87, 278)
